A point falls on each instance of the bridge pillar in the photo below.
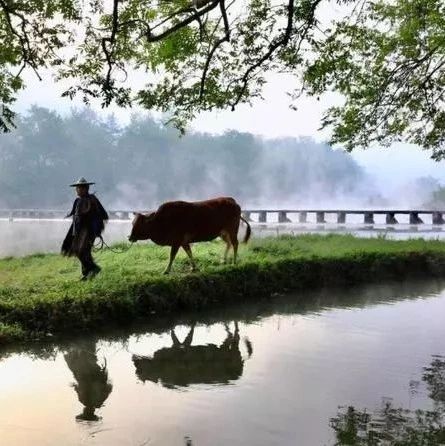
(282, 217)
(369, 218)
(262, 218)
(341, 217)
(414, 218)
(320, 217)
(391, 219)
(438, 218)
(246, 216)
(302, 217)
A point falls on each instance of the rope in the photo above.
(102, 245)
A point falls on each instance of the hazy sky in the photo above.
(269, 118)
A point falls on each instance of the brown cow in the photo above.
(180, 223)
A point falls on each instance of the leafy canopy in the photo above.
(388, 61)
(385, 57)
(195, 54)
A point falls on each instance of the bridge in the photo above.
(301, 215)
(318, 216)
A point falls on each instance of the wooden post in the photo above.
(391, 219)
(369, 218)
(302, 217)
(282, 217)
(262, 217)
(438, 218)
(320, 217)
(414, 218)
(341, 217)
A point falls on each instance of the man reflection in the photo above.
(183, 364)
(92, 384)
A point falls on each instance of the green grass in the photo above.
(42, 294)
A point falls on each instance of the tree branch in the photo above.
(25, 43)
(281, 42)
(183, 23)
(109, 52)
(217, 44)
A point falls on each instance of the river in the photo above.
(25, 236)
(276, 372)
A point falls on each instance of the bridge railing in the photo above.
(341, 215)
(262, 215)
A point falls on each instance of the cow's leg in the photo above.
(175, 339)
(226, 238)
(234, 241)
(188, 340)
(173, 253)
(188, 250)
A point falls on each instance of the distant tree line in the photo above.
(145, 163)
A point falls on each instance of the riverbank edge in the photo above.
(166, 295)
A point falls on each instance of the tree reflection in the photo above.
(391, 426)
(434, 376)
(92, 384)
(184, 364)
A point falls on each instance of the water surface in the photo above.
(267, 373)
(26, 236)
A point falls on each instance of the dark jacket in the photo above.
(89, 217)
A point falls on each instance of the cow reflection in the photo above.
(184, 364)
(92, 384)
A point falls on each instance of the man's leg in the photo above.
(83, 259)
(93, 268)
(89, 267)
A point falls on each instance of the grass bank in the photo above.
(41, 294)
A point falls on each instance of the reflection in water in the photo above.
(301, 303)
(183, 364)
(434, 376)
(313, 351)
(390, 426)
(92, 384)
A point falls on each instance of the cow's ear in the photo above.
(136, 213)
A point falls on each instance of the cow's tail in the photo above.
(248, 231)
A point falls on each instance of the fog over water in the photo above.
(29, 236)
(142, 164)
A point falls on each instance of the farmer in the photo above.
(89, 217)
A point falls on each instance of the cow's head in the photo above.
(141, 227)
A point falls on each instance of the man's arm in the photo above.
(70, 214)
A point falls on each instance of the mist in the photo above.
(144, 163)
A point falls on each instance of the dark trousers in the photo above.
(86, 259)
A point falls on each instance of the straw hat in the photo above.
(81, 182)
